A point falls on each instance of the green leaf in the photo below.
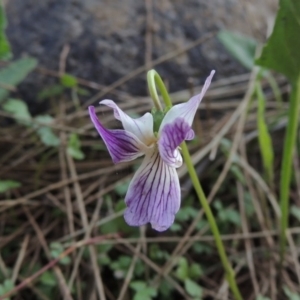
(264, 138)
(156, 253)
(15, 73)
(138, 285)
(165, 289)
(237, 172)
(5, 51)
(230, 215)
(295, 211)
(74, 147)
(186, 213)
(6, 185)
(52, 91)
(5, 287)
(19, 109)
(175, 227)
(201, 248)
(121, 189)
(290, 295)
(182, 271)
(193, 288)
(68, 81)
(48, 278)
(195, 271)
(143, 291)
(281, 53)
(241, 47)
(103, 259)
(46, 134)
(56, 249)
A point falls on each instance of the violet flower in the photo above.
(154, 192)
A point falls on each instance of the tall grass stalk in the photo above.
(264, 138)
(286, 167)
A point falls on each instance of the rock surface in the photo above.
(107, 38)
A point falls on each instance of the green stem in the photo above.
(153, 78)
(212, 222)
(286, 167)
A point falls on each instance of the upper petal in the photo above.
(141, 127)
(188, 109)
(153, 194)
(121, 144)
(171, 136)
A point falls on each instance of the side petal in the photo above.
(141, 127)
(121, 144)
(153, 194)
(171, 136)
(188, 109)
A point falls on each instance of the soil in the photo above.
(107, 38)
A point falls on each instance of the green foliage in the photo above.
(281, 53)
(56, 249)
(242, 48)
(6, 185)
(201, 248)
(290, 295)
(193, 288)
(186, 213)
(185, 271)
(237, 172)
(15, 73)
(121, 188)
(5, 51)
(19, 109)
(227, 215)
(143, 291)
(68, 81)
(74, 147)
(175, 227)
(182, 271)
(48, 278)
(52, 91)
(157, 254)
(186, 274)
(295, 211)
(5, 287)
(264, 138)
(121, 265)
(46, 134)
(165, 289)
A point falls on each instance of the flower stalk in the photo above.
(153, 77)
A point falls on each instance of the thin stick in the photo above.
(53, 262)
(20, 258)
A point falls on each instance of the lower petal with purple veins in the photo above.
(121, 144)
(153, 195)
(171, 136)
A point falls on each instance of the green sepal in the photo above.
(158, 116)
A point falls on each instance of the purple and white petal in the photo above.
(153, 195)
(171, 136)
(187, 110)
(141, 127)
(122, 145)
